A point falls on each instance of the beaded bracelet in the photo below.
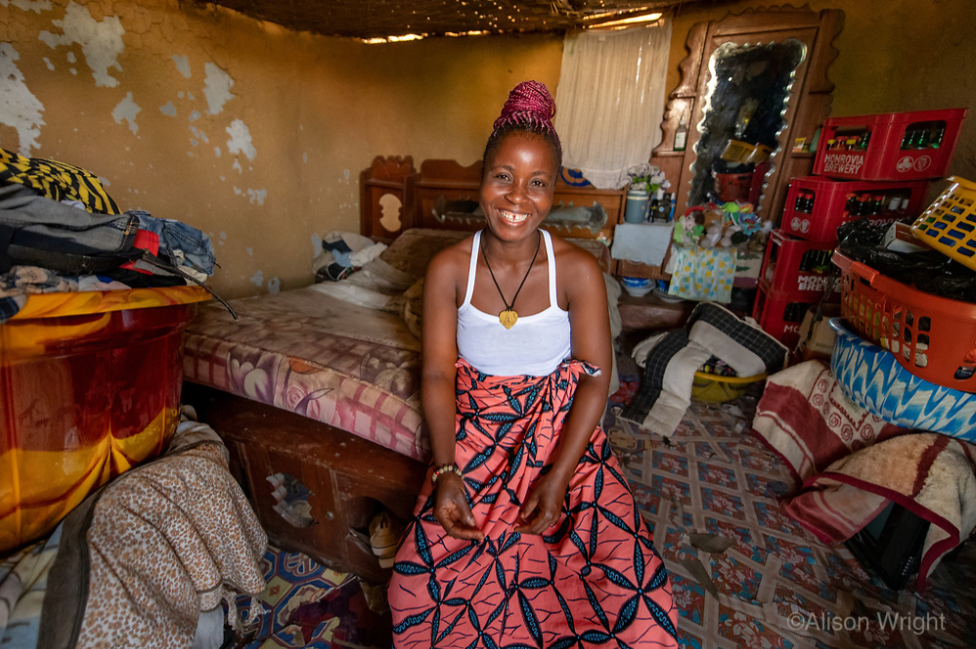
(441, 470)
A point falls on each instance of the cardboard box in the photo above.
(816, 336)
(900, 238)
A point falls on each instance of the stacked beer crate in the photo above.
(875, 167)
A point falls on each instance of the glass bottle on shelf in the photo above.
(681, 136)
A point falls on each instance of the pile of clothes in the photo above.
(61, 231)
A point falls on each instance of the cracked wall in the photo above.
(245, 130)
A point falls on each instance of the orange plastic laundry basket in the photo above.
(932, 337)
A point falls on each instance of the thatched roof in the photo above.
(368, 19)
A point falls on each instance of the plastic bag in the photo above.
(930, 271)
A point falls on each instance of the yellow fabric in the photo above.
(56, 180)
(56, 305)
(39, 488)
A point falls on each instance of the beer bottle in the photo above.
(923, 139)
(864, 207)
(906, 140)
(938, 135)
(878, 205)
(865, 138)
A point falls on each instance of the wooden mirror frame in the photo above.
(813, 94)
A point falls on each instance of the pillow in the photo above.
(412, 251)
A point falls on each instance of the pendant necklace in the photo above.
(508, 316)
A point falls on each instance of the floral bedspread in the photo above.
(345, 365)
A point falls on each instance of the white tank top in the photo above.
(535, 345)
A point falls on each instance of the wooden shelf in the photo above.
(651, 312)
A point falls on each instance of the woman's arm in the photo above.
(437, 390)
(590, 323)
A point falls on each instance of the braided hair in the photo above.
(529, 109)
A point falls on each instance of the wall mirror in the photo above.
(744, 111)
(753, 90)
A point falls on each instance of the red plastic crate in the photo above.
(798, 268)
(817, 206)
(891, 146)
(779, 314)
(932, 337)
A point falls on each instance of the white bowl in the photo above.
(638, 292)
(637, 286)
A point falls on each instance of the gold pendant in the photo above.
(508, 318)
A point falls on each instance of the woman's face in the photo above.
(518, 185)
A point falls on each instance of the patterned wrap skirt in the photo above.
(592, 579)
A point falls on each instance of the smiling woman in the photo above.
(525, 532)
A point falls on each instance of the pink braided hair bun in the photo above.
(531, 104)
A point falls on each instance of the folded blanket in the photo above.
(671, 360)
(851, 464)
(806, 417)
(931, 475)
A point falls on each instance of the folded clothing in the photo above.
(670, 361)
(343, 253)
(57, 181)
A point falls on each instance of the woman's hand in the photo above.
(451, 509)
(544, 505)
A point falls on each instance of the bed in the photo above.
(315, 391)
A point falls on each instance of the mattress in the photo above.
(351, 367)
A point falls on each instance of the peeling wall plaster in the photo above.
(240, 140)
(257, 195)
(127, 109)
(217, 88)
(144, 55)
(28, 5)
(19, 108)
(182, 64)
(101, 42)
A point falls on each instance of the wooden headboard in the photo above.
(392, 183)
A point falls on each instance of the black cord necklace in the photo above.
(508, 317)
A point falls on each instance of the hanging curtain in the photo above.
(610, 100)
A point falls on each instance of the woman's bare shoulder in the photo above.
(453, 259)
(578, 259)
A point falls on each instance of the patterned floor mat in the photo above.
(308, 605)
(775, 585)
